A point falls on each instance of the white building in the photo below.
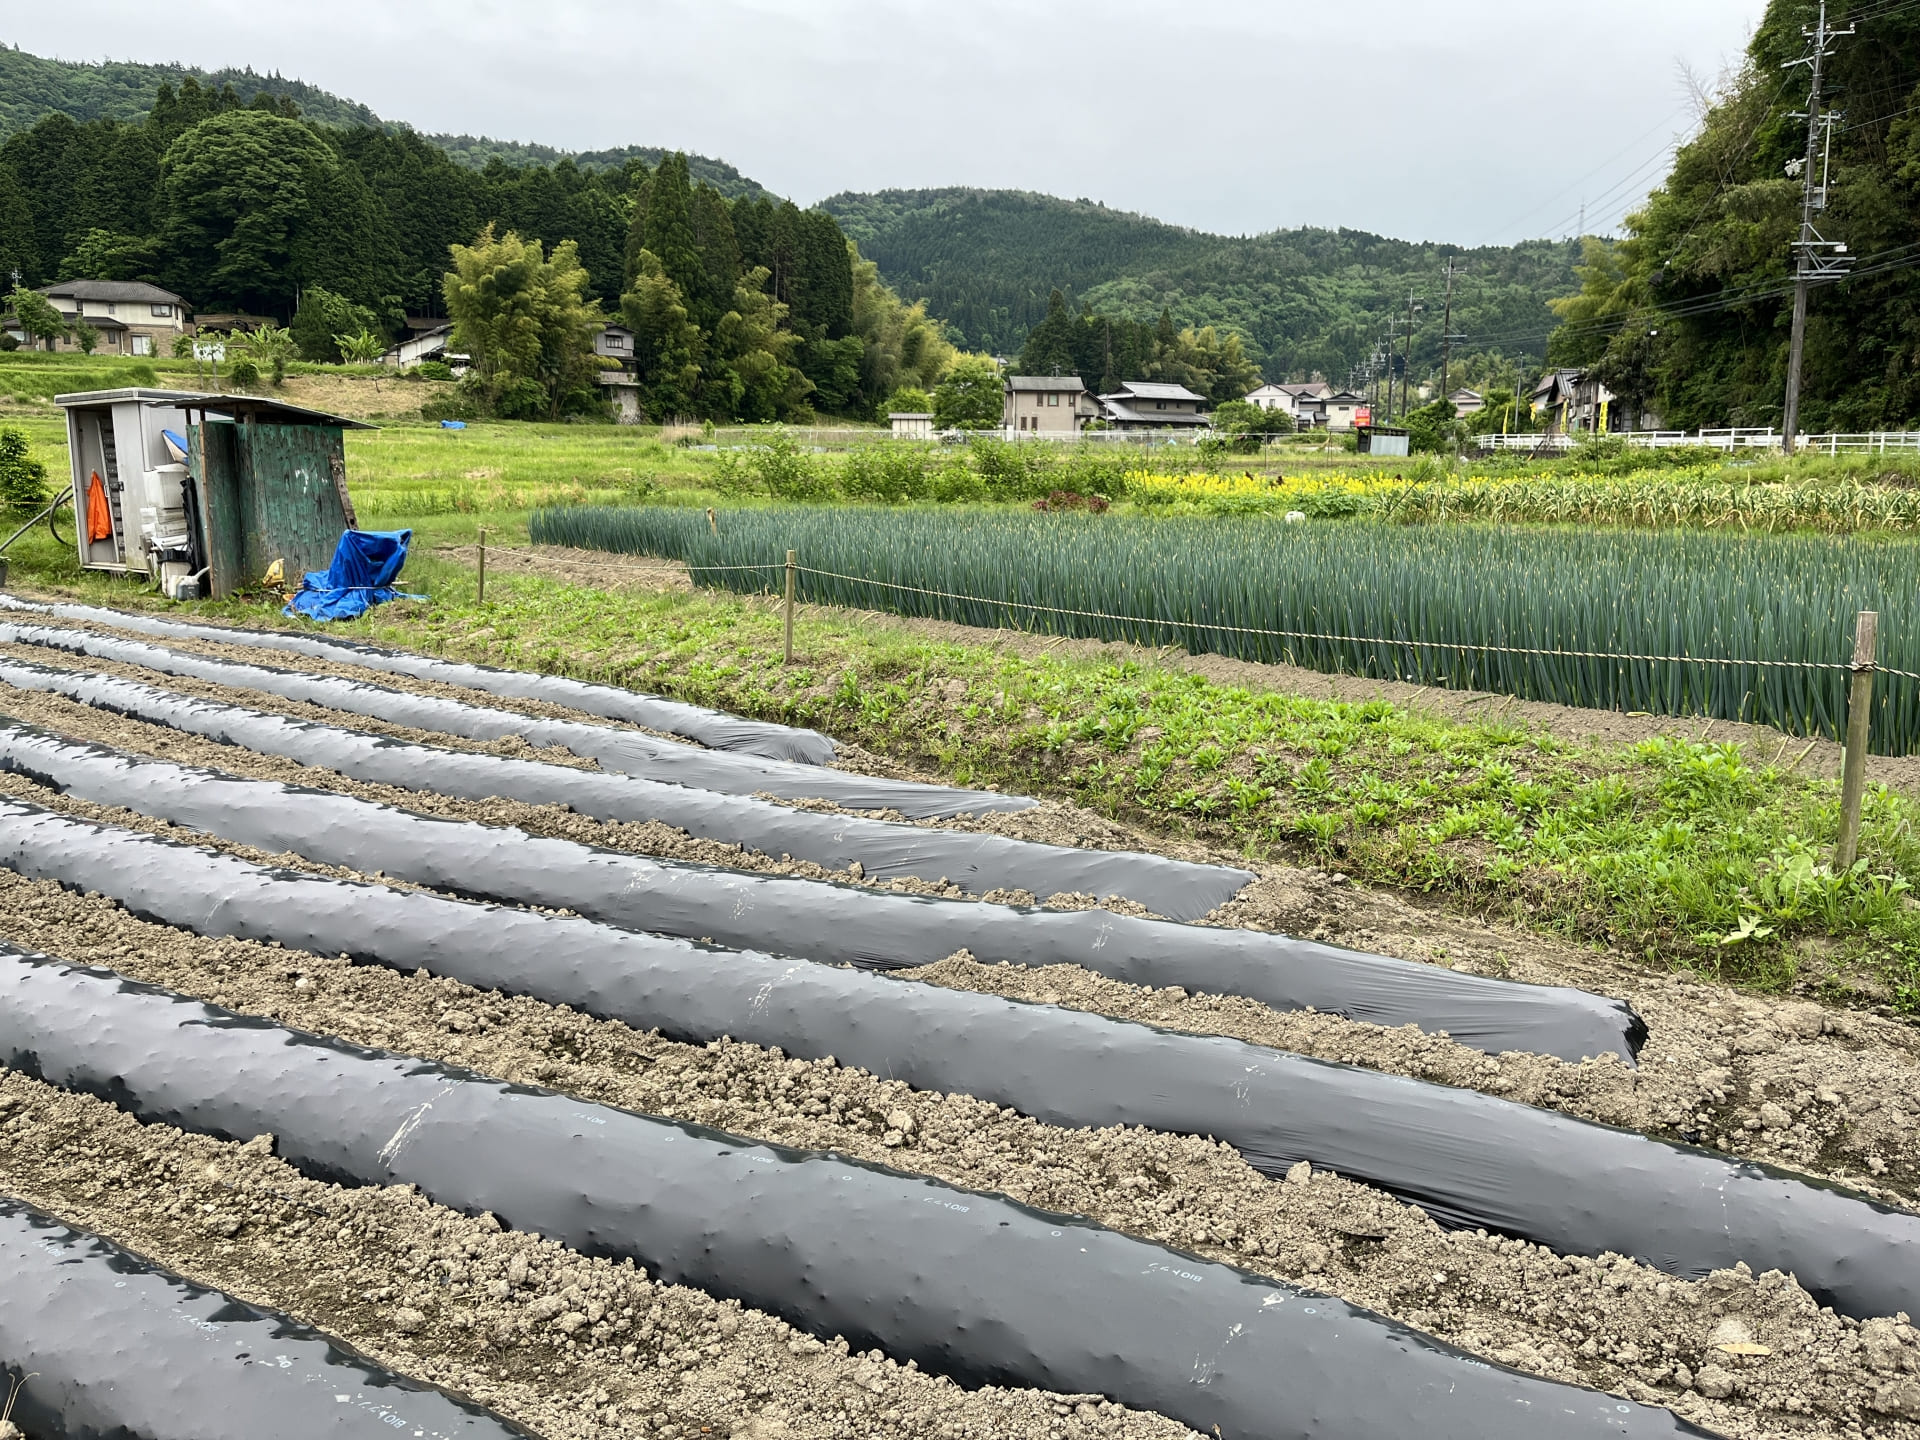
(1299, 402)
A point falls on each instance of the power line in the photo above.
(1628, 148)
(1899, 257)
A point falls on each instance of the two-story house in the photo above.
(619, 374)
(1154, 405)
(130, 317)
(1299, 401)
(1046, 405)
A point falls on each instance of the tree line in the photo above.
(1688, 315)
(1104, 350)
(1302, 301)
(746, 308)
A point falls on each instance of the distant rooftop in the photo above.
(1045, 382)
(1157, 390)
(136, 291)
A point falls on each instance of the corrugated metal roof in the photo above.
(250, 407)
(1158, 390)
(1127, 415)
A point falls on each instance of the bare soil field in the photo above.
(456, 1300)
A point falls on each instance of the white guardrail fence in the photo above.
(1869, 442)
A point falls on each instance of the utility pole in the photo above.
(1406, 369)
(1815, 258)
(1446, 335)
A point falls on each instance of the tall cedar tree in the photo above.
(337, 230)
(1688, 315)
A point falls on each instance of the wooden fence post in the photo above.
(1853, 783)
(481, 598)
(792, 576)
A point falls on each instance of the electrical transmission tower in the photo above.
(1816, 259)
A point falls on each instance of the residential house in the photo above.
(1467, 402)
(1574, 402)
(1341, 410)
(421, 345)
(1154, 405)
(1299, 401)
(619, 373)
(1043, 405)
(130, 317)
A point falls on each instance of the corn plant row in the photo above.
(1614, 620)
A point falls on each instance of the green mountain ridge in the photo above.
(32, 86)
(1304, 301)
(1308, 300)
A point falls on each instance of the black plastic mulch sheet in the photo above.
(830, 923)
(105, 1344)
(1470, 1159)
(713, 728)
(627, 751)
(884, 849)
(968, 1285)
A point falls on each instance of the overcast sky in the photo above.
(1470, 121)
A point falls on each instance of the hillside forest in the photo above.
(1689, 314)
(1301, 301)
(751, 308)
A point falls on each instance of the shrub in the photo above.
(449, 405)
(433, 370)
(788, 472)
(243, 374)
(888, 472)
(23, 479)
(1012, 469)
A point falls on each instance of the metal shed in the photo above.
(1381, 440)
(205, 491)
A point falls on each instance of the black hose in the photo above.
(627, 751)
(712, 728)
(46, 515)
(968, 1285)
(1471, 1160)
(869, 928)
(102, 1343)
(883, 849)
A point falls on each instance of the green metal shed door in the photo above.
(290, 497)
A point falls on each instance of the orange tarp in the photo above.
(99, 518)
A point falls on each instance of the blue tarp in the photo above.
(365, 565)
